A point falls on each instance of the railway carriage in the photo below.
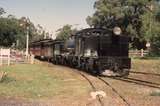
(42, 49)
(35, 48)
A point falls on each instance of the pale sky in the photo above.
(51, 14)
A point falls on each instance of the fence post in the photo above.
(9, 58)
(0, 57)
(142, 53)
(32, 59)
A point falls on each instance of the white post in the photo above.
(27, 42)
(32, 59)
(9, 57)
(142, 53)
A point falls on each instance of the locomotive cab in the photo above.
(113, 55)
(102, 52)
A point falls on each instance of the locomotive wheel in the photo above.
(82, 67)
(125, 72)
(87, 68)
(55, 62)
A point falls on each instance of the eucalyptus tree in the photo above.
(134, 17)
(2, 11)
(65, 32)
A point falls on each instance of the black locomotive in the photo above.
(99, 51)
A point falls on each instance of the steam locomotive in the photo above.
(95, 50)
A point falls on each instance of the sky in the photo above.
(51, 14)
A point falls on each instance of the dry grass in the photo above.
(44, 81)
(40, 81)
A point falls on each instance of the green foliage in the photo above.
(137, 18)
(151, 30)
(111, 13)
(65, 32)
(13, 31)
(39, 81)
(1, 11)
(27, 25)
(8, 31)
(155, 93)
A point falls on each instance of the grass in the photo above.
(146, 58)
(152, 69)
(36, 82)
(146, 65)
(155, 94)
(40, 81)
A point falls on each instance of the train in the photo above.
(94, 50)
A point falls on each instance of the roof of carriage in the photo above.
(45, 41)
(92, 31)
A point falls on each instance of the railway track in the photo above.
(137, 82)
(93, 87)
(107, 84)
(137, 78)
(133, 78)
(114, 90)
(150, 84)
(144, 73)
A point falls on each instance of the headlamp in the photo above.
(117, 30)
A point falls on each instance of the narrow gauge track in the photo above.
(93, 87)
(107, 85)
(144, 73)
(124, 79)
(137, 82)
(114, 90)
(142, 81)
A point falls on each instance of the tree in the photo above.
(12, 33)
(8, 31)
(26, 26)
(65, 32)
(122, 13)
(135, 17)
(151, 28)
(2, 11)
(40, 33)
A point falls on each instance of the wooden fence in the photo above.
(138, 53)
(5, 56)
(9, 56)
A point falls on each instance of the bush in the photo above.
(3, 76)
